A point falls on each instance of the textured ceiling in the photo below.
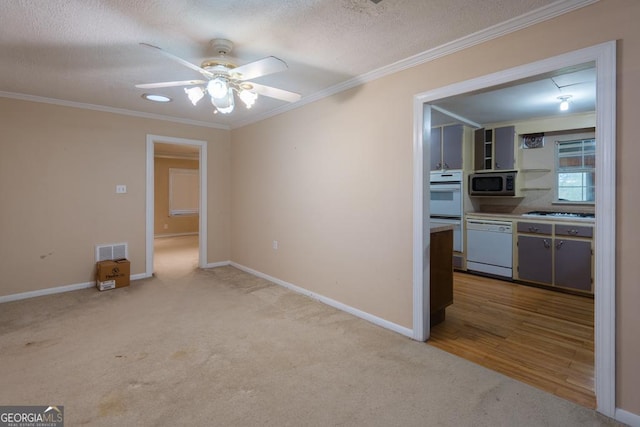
(88, 51)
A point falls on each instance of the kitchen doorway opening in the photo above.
(185, 162)
(604, 57)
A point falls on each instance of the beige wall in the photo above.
(165, 223)
(58, 170)
(332, 181)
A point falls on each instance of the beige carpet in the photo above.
(220, 347)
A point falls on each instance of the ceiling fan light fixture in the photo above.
(218, 88)
(249, 98)
(224, 104)
(195, 94)
(221, 77)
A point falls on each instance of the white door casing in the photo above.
(202, 232)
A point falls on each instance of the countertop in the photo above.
(439, 228)
(529, 218)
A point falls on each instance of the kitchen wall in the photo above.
(58, 170)
(165, 224)
(332, 180)
(558, 128)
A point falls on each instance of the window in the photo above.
(184, 191)
(576, 170)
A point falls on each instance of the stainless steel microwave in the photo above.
(494, 184)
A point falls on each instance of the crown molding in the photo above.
(105, 109)
(545, 13)
(550, 11)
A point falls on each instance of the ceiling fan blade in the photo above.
(261, 67)
(171, 84)
(179, 60)
(273, 92)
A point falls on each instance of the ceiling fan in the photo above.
(223, 77)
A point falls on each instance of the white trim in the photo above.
(627, 417)
(105, 109)
(59, 289)
(150, 197)
(605, 276)
(421, 239)
(217, 264)
(605, 233)
(331, 302)
(542, 14)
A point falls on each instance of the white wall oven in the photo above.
(445, 206)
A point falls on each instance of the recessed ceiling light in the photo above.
(156, 98)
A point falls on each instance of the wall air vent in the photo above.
(111, 252)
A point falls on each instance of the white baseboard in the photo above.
(59, 289)
(217, 264)
(627, 417)
(331, 302)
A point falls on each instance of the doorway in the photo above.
(178, 147)
(604, 281)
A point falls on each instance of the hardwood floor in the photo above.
(540, 337)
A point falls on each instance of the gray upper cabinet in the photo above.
(446, 147)
(494, 149)
(452, 139)
(504, 148)
(436, 148)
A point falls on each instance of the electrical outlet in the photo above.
(121, 189)
(275, 244)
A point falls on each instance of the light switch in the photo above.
(121, 189)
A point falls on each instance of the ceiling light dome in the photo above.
(224, 104)
(564, 102)
(218, 88)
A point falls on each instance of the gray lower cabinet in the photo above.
(558, 255)
(572, 260)
(535, 259)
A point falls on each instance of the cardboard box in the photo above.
(112, 274)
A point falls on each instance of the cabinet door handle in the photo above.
(534, 229)
(573, 231)
(497, 165)
(439, 165)
(559, 244)
(446, 166)
(546, 243)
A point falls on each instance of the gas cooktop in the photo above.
(560, 214)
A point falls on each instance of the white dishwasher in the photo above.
(490, 247)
